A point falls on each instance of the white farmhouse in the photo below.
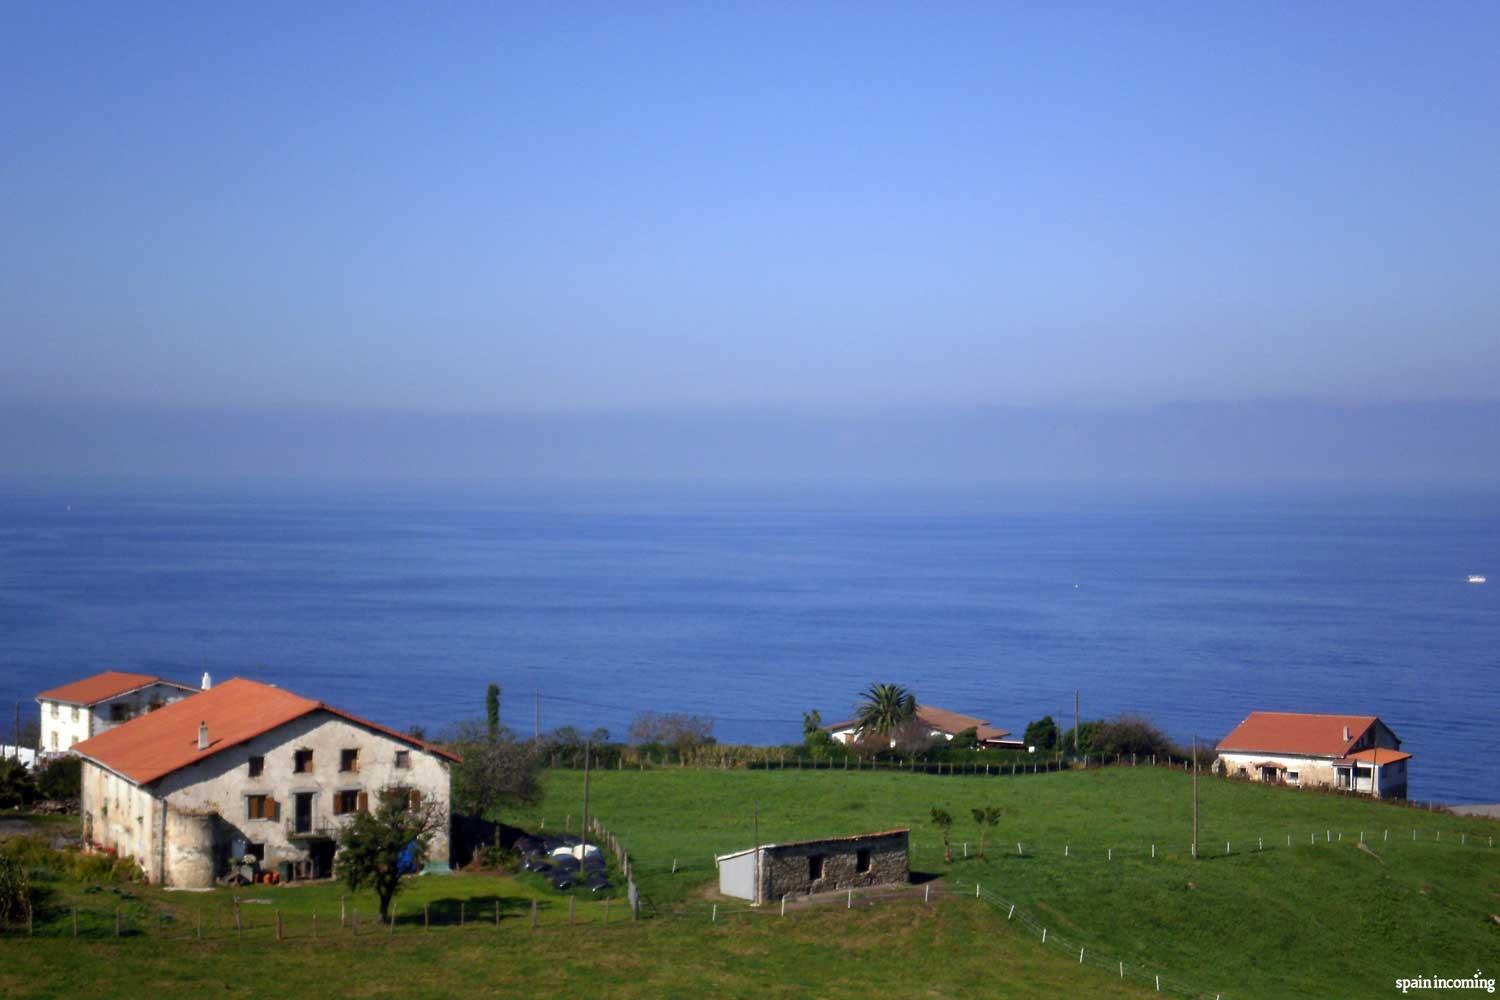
(1357, 753)
(941, 724)
(74, 712)
(247, 769)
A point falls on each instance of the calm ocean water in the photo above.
(752, 609)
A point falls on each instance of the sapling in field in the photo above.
(944, 822)
(986, 816)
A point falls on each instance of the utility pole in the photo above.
(1075, 723)
(539, 715)
(1195, 795)
(755, 812)
(584, 850)
(18, 730)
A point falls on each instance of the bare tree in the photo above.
(677, 730)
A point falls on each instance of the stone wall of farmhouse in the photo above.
(787, 870)
(222, 784)
(181, 828)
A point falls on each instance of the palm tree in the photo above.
(886, 707)
(988, 816)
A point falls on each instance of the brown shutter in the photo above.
(415, 798)
(364, 802)
(273, 809)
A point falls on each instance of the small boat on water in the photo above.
(1476, 577)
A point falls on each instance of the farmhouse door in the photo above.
(304, 807)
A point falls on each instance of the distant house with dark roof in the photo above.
(74, 712)
(1357, 753)
(941, 724)
(247, 769)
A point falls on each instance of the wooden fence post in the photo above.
(117, 920)
(533, 914)
(278, 925)
(75, 922)
(342, 917)
(497, 913)
(572, 909)
(392, 928)
(426, 917)
(315, 923)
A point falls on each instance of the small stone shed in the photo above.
(802, 867)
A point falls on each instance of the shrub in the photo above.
(61, 778)
(15, 891)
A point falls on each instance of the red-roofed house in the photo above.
(247, 769)
(74, 712)
(1358, 753)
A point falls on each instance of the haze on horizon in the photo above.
(1167, 242)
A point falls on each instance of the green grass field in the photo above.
(1307, 920)
(1311, 920)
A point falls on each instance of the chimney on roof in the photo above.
(202, 736)
(1346, 734)
(207, 681)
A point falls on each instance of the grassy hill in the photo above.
(1311, 920)
(1318, 918)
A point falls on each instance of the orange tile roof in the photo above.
(941, 718)
(955, 722)
(92, 690)
(1381, 756)
(158, 743)
(1297, 733)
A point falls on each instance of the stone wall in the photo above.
(787, 869)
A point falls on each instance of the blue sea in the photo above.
(753, 606)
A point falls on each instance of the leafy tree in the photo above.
(378, 848)
(986, 816)
(492, 711)
(1041, 734)
(494, 773)
(943, 820)
(812, 722)
(61, 778)
(17, 784)
(819, 741)
(966, 739)
(885, 707)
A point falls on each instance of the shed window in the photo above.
(302, 761)
(862, 860)
(121, 713)
(75, 713)
(55, 712)
(257, 766)
(348, 760)
(260, 807)
(403, 758)
(814, 866)
(345, 802)
(1291, 776)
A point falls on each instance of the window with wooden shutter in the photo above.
(364, 802)
(275, 810)
(414, 798)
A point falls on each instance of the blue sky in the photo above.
(829, 209)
